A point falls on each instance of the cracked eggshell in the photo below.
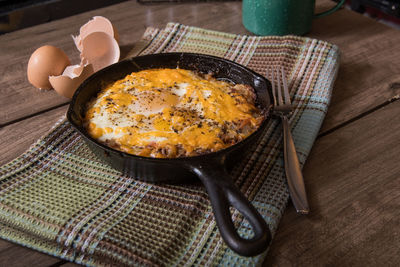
(96, 24)
(100, 50)
(67, 83)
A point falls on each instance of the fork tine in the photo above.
(270, 75)
(285, 87)
(278, 81)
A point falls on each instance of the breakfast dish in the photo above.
(168, 113)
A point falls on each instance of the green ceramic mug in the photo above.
(280, 17)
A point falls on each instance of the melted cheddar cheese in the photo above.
(172, 113)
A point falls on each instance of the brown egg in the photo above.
(44, 62)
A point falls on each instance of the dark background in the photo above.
(18, 14)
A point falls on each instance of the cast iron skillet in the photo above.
(210, 168)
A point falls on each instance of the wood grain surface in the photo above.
(352, 174)
(369, 72)
(24, 133)
(354, 196)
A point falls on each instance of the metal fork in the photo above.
(283, 108)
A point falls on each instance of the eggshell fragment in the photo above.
(100, 50)
(44, 62)
(67, 83)
(97, 24)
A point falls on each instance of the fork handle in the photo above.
(294, 176)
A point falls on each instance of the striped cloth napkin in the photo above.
(58, 198)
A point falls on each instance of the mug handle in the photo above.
(330, 11)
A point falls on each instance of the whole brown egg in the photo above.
(44, 62)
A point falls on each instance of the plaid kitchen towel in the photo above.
(59, 199)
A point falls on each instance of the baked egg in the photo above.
(167, 113)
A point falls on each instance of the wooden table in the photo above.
(352, 174)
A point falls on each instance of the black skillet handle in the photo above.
(224, 194)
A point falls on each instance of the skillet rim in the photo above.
(215, 154)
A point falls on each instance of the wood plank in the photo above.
(69, 264)
(353, 180)
(16, 256)
(18, 137)
(370, 63)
